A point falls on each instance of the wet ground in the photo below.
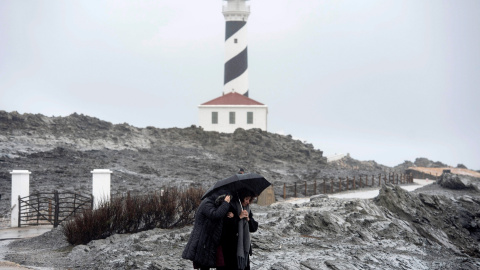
(8, 235)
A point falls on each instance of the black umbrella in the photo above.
(251, 181)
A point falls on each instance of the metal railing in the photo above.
(51, 208)
(338, 184)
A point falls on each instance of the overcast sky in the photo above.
(382, 80)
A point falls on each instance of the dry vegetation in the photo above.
(134, 213)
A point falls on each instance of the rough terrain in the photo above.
(396, 230)
(435, 227)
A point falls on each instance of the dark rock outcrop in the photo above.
(459, 182)
(425, 162)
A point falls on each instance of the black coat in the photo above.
(205, 237)
(229, 238)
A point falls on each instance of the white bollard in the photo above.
(100, 186)
(20, 187)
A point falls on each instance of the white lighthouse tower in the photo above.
(236, 14)
(234, 109)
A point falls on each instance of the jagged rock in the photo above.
(459, 182)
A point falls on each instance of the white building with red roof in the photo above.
(232, 111)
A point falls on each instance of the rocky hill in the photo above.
(62, 151)
(435, 227)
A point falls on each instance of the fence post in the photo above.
(339, 184)
(20, 188)
(295, 190)
(284, 191)
(305, 188)
(38, 207)
(101, 186)
(49, 210)
(315, 188)
(347, 182)
(324, 186)
(354, 187)
(56, 214)
(331, 185)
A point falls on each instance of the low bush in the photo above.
(134, 213)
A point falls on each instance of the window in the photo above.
(235, 40)
(232, 117)
(214, 117)
(249, 117)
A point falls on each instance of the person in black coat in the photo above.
(237, 226)
(205, 237)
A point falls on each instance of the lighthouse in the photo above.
(236, 14)
(234, 108)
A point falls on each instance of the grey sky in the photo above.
(382, 80)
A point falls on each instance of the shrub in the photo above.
(134, 213)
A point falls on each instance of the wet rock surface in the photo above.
(395, 230)
(456, 182)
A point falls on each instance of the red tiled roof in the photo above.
(232, 98)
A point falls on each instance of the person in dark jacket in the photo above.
(237, 226)
(205, 237)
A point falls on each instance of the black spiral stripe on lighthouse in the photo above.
(236, 66)
(232, 27)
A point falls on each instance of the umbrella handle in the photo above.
(240, 203)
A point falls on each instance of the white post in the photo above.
(20, 187)
(100, 186)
